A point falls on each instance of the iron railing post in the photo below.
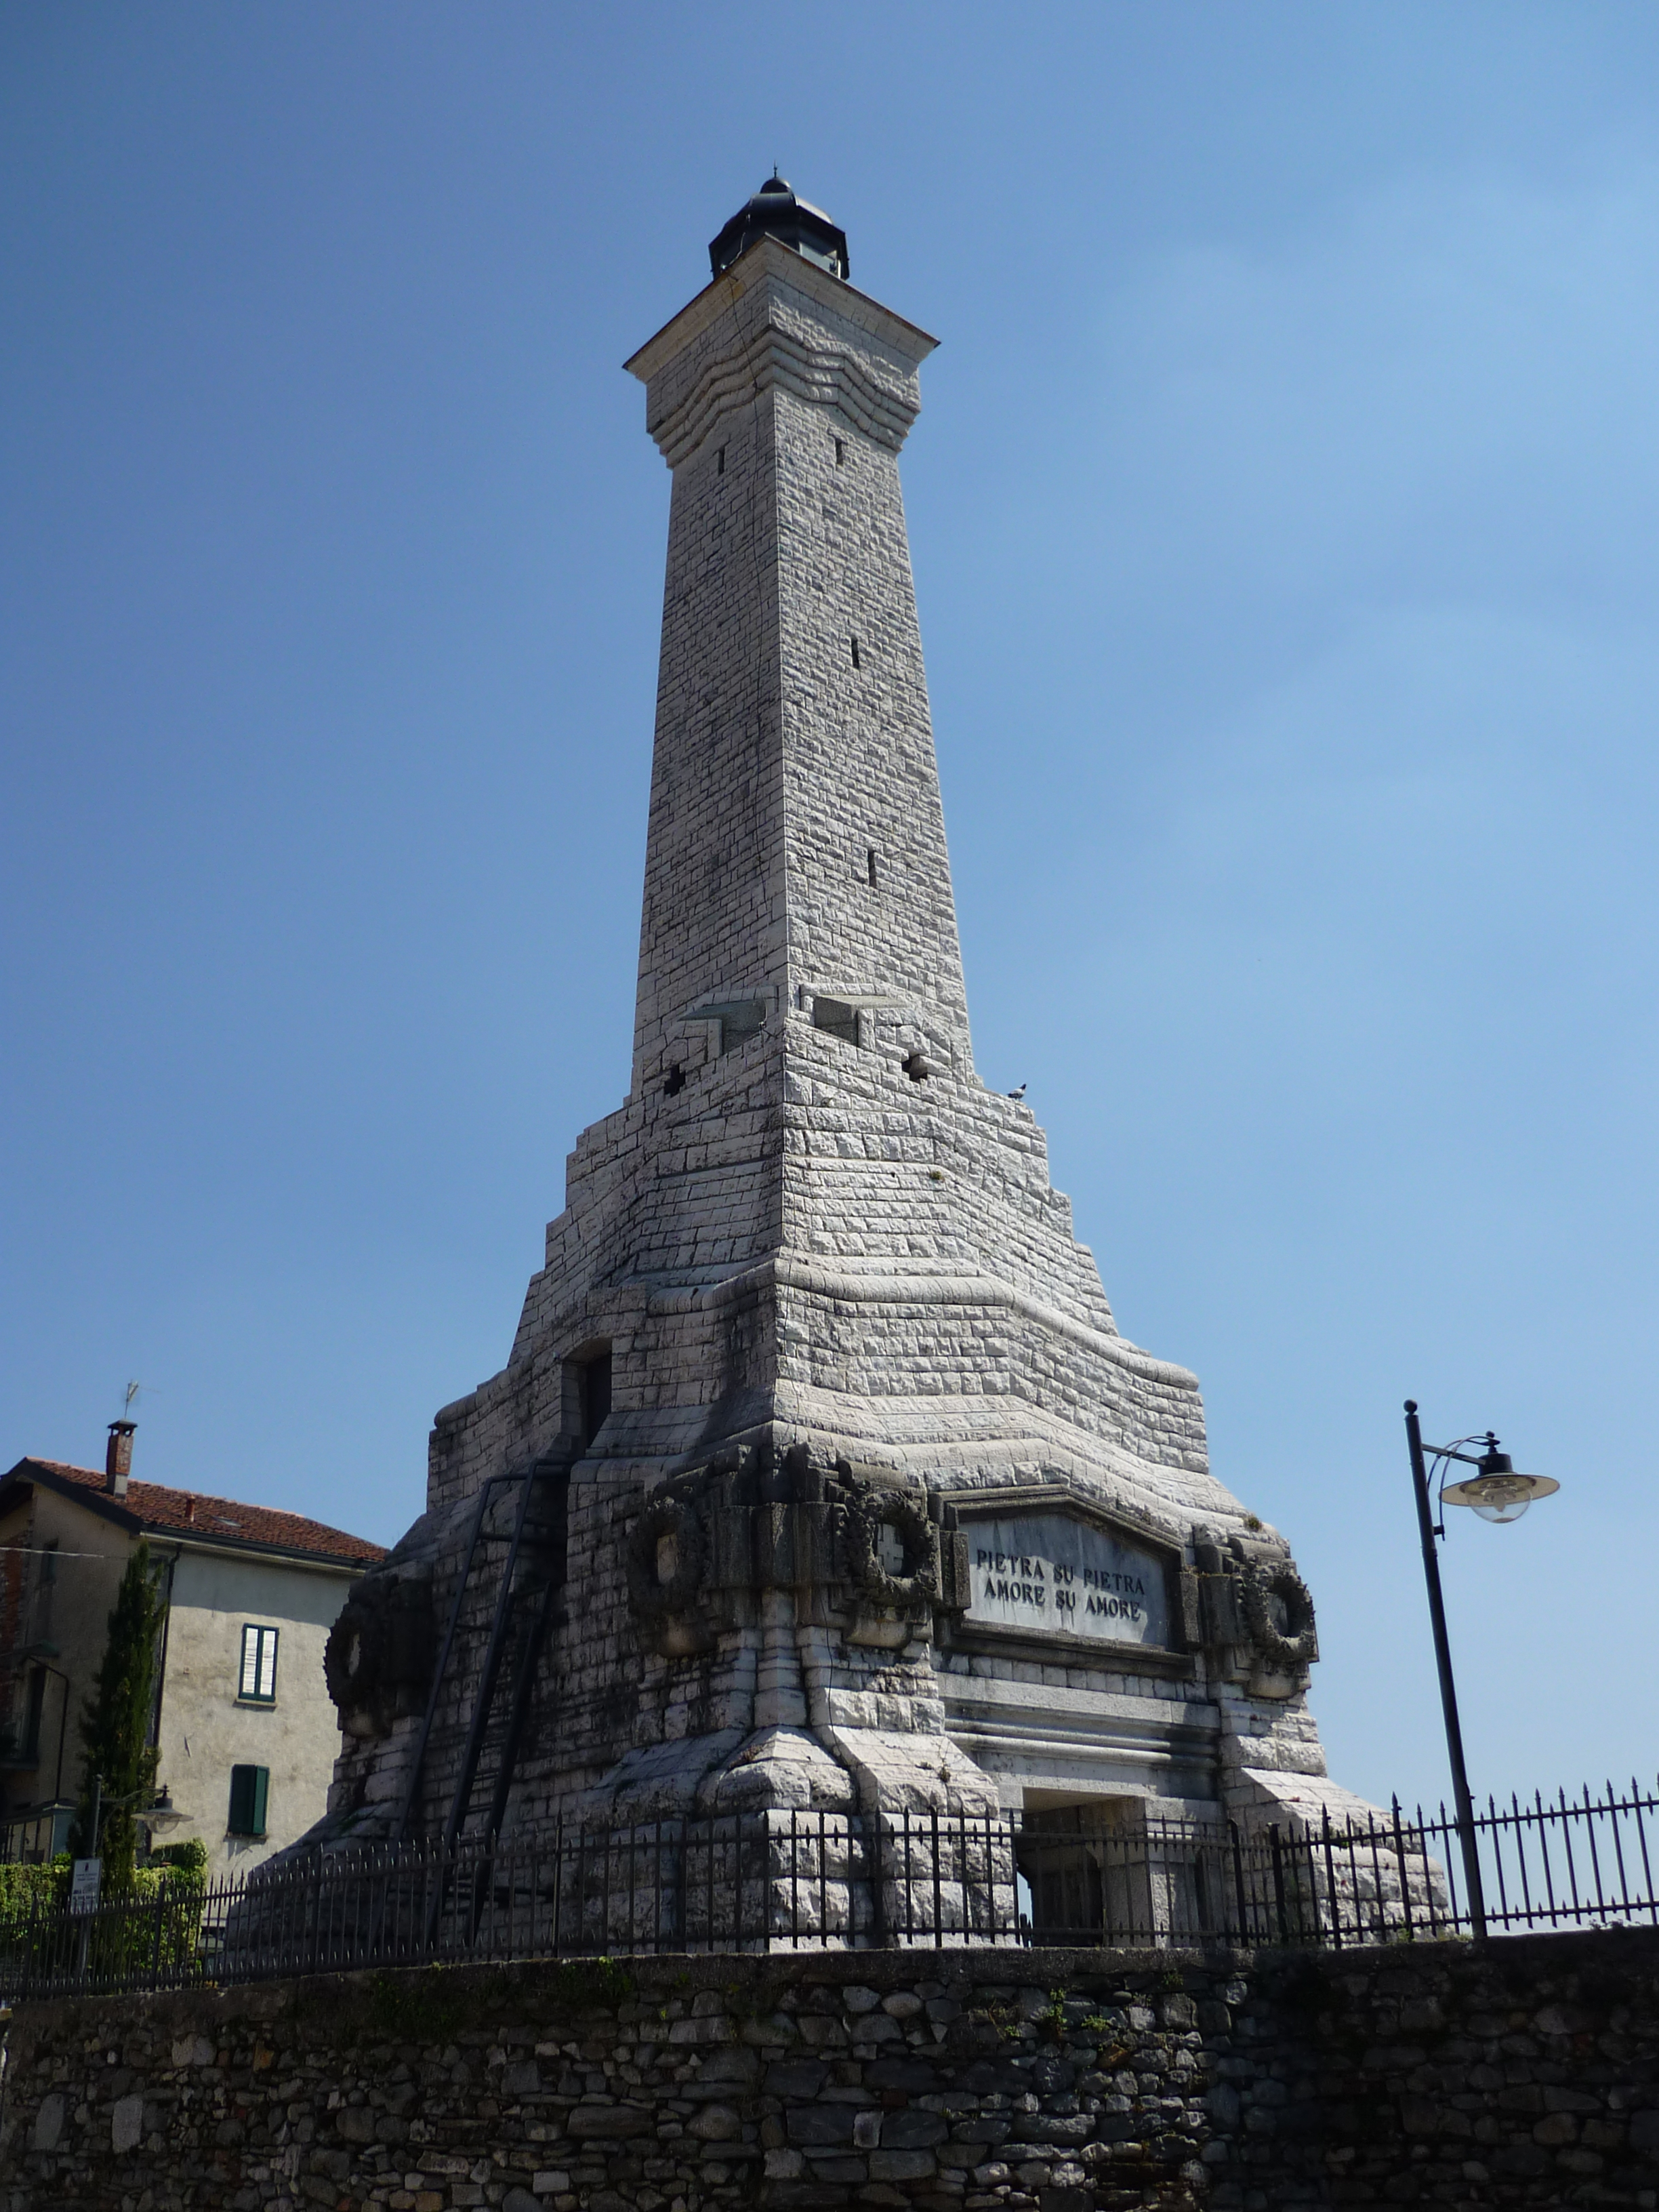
(1405, 1871)
(1238, 1881)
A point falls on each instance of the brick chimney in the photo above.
(117, 1459)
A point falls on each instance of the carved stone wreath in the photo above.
(380, 1644)
(663, 1516)
(354, 1655)
(1295, 1645)
(918, 1587)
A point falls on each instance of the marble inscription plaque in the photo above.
(1047, 1573)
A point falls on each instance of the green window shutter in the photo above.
(250, 1791)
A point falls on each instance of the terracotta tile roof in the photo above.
(153, 1509)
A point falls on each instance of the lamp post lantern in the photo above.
(1497, 1493)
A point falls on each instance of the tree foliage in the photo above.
(115, 1728)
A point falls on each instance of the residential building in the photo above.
(244, 1726)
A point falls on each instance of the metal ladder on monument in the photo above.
(526, 1596)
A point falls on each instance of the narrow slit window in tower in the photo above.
(836, 1019)
(739, 1022)
(595, 1382)
(870, 865)
(720, 462)
(841, 452)
(856, 662)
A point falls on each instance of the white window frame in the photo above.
(256, 1682)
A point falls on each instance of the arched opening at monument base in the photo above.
(1107, 1869)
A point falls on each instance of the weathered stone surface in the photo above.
(49, 2121)
(884, 1516)
(606, 2122)
(1299, 2090)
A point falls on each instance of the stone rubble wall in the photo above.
(1525, 2073)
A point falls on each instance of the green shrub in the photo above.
(42, 1887)
(159, 1931)
(190, 1857)
(120, 1764)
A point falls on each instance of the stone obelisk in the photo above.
(820, 1474)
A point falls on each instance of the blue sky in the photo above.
(1283, 513)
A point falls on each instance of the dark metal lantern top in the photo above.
(774, 212)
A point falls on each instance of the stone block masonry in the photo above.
(1520, 2074)
(810, 1252)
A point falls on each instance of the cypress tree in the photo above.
(115, 1728)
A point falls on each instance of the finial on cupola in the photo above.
(774, 212)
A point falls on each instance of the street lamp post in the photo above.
(1497, 1493)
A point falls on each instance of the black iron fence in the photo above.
(799, 1881)
(1574, 1863)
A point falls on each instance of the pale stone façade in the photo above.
(834, 1484)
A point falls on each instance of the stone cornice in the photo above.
(790, 338)
(825, 375)
(785, 1272)
(767, 258)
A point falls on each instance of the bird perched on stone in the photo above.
(1020, 1093)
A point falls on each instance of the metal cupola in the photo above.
(775, 212)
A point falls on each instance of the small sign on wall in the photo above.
(85, 1883)
(1053, 1575)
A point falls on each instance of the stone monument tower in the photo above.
(818, 1476)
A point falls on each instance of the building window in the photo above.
(45, 1588)
(259, 1684)
(36, 1711)
(249, 1790)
